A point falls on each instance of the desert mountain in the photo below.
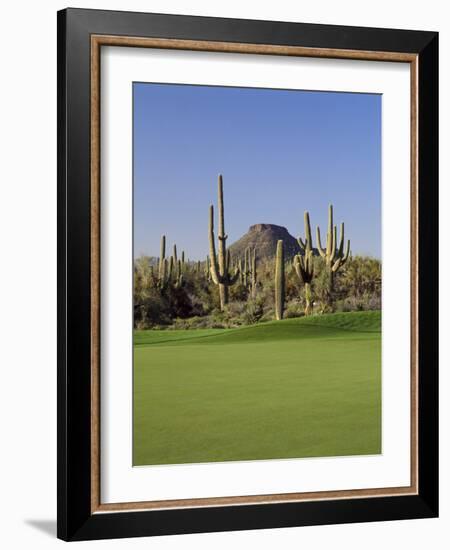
(264, 237)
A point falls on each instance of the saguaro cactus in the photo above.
(162, 255)
(241, 271)
(245, 275)
(165, 266)
(207, 269)
(279, 281)
(334, 256)
(304, 263)
(179, 274)
(164, 274)
(170, 270)
(220, 264)
(248, 274)
(253, 273)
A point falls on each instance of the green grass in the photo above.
(304, 387)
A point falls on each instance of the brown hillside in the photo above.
(264, 237)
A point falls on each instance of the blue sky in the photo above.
(280, 152)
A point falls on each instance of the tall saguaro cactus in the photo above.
(253, 273)
(162, 256)
(334, 256)
(279, 281)
(245, 274)
(304, 264)
(165, 266)
(220, 263)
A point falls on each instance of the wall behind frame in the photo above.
(28, 275)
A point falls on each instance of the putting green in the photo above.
(304, 387)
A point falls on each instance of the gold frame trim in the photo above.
(97, 41)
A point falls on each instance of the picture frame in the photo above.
(81, 36)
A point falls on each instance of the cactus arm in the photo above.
(301, 244)
(175, 258)
(341, 260)
(336, 265)
(307, 263)
(347, 252)
(221, 226)
(321, 250)
(233, 278)
(344, 258)
(297, 268)
(308, 239)
(302, 270)
(341, 242)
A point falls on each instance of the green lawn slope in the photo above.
(296, 388)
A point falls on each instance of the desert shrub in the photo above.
(361, 276)
(293, 309)
(253, 311)
(152, 309)
(364, 302)
(357, 286)
(191, 323)
(293, 286)
(238, 292)
(234, 309)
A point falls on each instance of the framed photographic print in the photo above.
(247, 251)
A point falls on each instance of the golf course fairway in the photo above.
(305, 387)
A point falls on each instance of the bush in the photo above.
(294, 309)
(253, 312)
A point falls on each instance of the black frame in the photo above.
(75, 521)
